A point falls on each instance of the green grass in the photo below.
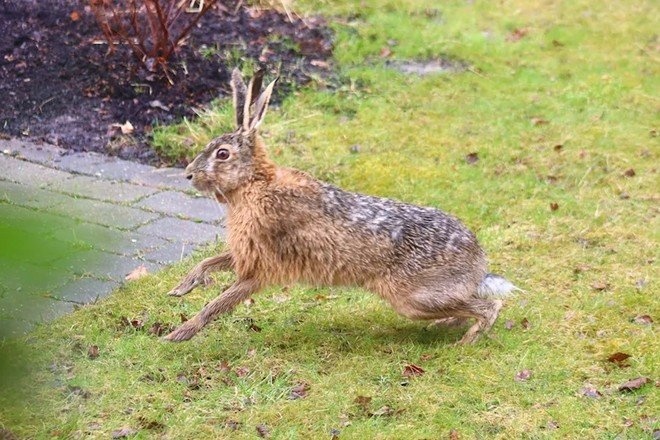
(589, 71)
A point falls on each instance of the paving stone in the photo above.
(104, 213)
(176, 203)
(33, 221)
(33, 308)
(85, 290)
(99, 189)
(29, 173)
(102, 265)
(107, 239)
(181, 230)
(13, 327)
(163, 178)
(44, 154)
(25, 195)
(170, 253)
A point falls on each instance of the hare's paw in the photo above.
(191, 281)
(184, 332)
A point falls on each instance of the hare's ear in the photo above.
(253, 90)
(261, 105)
(239, 91)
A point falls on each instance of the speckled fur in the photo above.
(284, 226)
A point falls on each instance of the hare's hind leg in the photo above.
(200, 273)
(230, 298)
(485, 311)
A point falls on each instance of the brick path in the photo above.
(92, 219)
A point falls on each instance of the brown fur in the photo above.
(284, 226)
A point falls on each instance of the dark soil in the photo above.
(59, 84)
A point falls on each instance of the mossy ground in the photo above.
(561, 107)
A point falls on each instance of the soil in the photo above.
(60, 84)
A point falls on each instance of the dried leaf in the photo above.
(136, 323)
(93, 351)
(517, 35)
(242, 371)
(137, 273)
(525, 324)
(299, 391)
(551, 425)
(363, 402)
(159, 105)
(159, 329)
(385, 52)
(634, 384)
(383, 411)
(74, 16)
(554, 206)
(558, 147)
(472, 158)
(126, 127)
(629, 172)
(263, 431)
(123, 432)
(590, 392)
(223, 367)
(320, 63)
(412, 370)
(523, 375)
(600, 286)
(619, 359)
(643, 320)
(538, 121)
(233, 425)
(453, 435)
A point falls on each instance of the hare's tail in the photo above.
(495, 285)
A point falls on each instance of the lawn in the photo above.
(546, 146)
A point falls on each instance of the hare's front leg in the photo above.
(200, 273)
(237, 292)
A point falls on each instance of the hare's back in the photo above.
(413, 232)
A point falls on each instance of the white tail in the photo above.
(495, 285)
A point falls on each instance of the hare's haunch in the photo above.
(284, 226)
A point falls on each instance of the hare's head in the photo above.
(234, 159)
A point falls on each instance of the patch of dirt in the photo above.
(59, 84)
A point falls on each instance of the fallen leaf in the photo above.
(619, 359)
(385, 52)
(538, 121)
(126, 127)
(551, 425)
(320, 63)
(472, 158)
(509, 324)
(581, 268)
(453, 435)
(525, 324)
(183, 317)
(426, 357)
(74, 16)
(93, 351)
(629, 172)
(412, 370)
(363, 402)
(254, 327)
(517, 35)
(159, 329)
(299, 391)
(242, 371)
(123, 432)
(137, 273)
(263, 431)
(523, 375)
(628, 423)
(590, 392)
(643, 320)
(600, 286)
(554, 206)
(136, 323)
(383, 411)
(233, 425)
(157, 104)
(634, 384)
(248, 302)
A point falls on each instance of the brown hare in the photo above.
(284, 226)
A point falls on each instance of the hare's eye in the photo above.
(222, 154)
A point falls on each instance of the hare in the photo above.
(284, 226)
